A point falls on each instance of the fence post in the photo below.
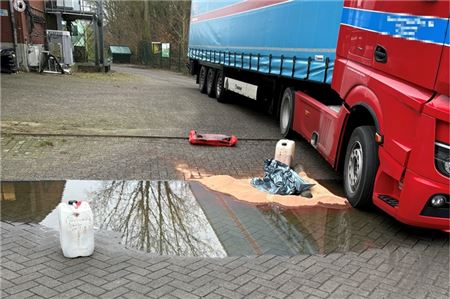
(179, 57)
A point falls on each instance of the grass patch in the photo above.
(110, 76)
(7, 135)
(44, 143)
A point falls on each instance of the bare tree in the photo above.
(159, 217)
(130, 22)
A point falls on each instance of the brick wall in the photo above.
(6, 32)
(37, 36)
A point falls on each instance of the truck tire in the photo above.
(360, 167)
(220, 91)
(202, 79)
(210, 80)
(287, 112)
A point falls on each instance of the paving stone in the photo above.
(116, 275)
(8, 274)
(13, 266)
(114, 293)
(134, 295)
(91, 289)
(48, 282)
(73, 277)
(314, 292)
(272, 293)
(182, 285)
(72, 293)
(137, 270)
(93, 279)
(21, 287)
(202, 280)
(248, 288)
(213, 296)
(52, 273)
(183, 294)
(205, 289)
(115, 284)
(187, 278)
(43, 291)
(227, 293)
(162, 281)
(161, 291)
(24, 294)
(329, 286)
(65, 287)
(288, 287)
(138, 288)
(5, 284)
(242, 279)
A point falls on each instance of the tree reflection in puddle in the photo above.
(315, 229)
(155, 216)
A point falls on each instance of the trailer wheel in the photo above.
(202, 79)
(286, 112)
(210, 80)
(360, 167)
(220, 91)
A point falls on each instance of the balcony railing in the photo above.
(71, 6)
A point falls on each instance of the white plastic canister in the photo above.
(76, 229)
(285, 151)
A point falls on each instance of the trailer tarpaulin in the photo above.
(292, 38)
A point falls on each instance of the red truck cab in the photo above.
(384, 119)
(391, 135)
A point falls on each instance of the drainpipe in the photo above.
(96, 43)
(100, 31)
(14, 29)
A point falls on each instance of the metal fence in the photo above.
(147, 56)
(75, 6)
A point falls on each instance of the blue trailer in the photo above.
(290, 38)
(256, 48)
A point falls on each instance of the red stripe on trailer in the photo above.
(238, 8)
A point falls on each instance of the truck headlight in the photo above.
(442, 158)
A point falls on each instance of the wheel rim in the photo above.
(219, 84)
(355, 166)
(285, 115)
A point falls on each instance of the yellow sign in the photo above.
(156, 47)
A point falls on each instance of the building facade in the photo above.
(24, 25)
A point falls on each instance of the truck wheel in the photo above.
(360, 167)
(202, 79)
(220, 91)
(286, 112)
(210, 80)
